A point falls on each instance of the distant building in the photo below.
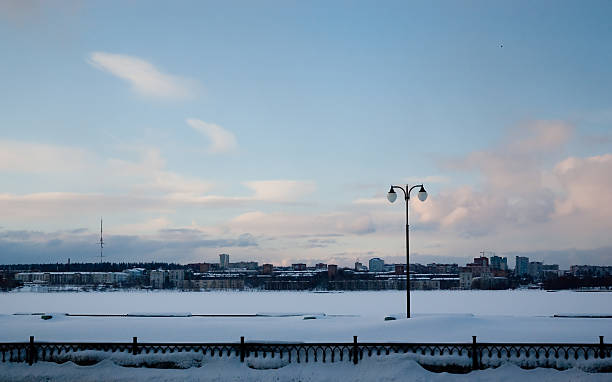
(249, 265)
(321, 266)
(590, 270)
(358, 266)
(425, 284)
(135, 275)
(389, 268)
(224, 261)
(550, 271)
(480, 267)
(400, 269)
(158, 279)
(499, 263)
(442, 268)
(522, 266)
(267, 269)
(535, 269)
(298, 267)
(465, 278)
(332, 269)
(482, 261)
(219, 283)
(176, 278)
(196, 267)
(377, 265)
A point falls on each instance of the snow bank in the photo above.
(388, 369)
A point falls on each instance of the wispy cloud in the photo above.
(284, 224)
(31, 157)
(142, 183)
(428, 179)
(143, 76)
(221, 140)
(281, 190)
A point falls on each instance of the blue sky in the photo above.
(272, 130)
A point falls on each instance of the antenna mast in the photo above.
(101, 242)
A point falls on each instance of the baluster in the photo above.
(474, 354)
(355, 354)
(242, 347)
(134, 345)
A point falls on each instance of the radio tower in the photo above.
(101, 242)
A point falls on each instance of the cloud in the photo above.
(45, 205)
(281, 190)
(51, 247)
(539, 136)
(586, 185)
(141, 184)
(143, 76)
(371, 201)
(288, 225)
(31, 157)
(428, 180)
(264, 191)
(221, 140)
(150, 173)
(517, 184)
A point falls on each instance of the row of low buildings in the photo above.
(536, 270)
(482, 273)
(74, 278)
(590, 271)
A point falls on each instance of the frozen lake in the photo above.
(507, 302)
(438, 316)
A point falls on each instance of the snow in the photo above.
(420, 328)
(391, 368)
(438, 316)
(167, 316)
(368, 303)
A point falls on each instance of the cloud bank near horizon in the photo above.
(529, 199)
(188, 245)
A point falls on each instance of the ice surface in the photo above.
(508, 302)
(438, 316)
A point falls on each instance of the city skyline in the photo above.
(272, 131)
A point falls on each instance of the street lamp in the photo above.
(391, 196)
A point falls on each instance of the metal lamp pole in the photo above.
(391, 196)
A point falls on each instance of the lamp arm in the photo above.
(411, 188)
(406, 195)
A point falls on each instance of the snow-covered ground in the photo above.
(388, 369)
(438, 316)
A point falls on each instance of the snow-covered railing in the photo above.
(458, 357)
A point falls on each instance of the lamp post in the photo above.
(391, 196)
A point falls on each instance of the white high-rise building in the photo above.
(176, 277)
(158, 279)
(377, 264)
(522, 266)
(224, 261)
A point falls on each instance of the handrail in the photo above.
(470, 355)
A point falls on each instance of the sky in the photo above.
(272, 130)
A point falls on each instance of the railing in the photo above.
(458, 357)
